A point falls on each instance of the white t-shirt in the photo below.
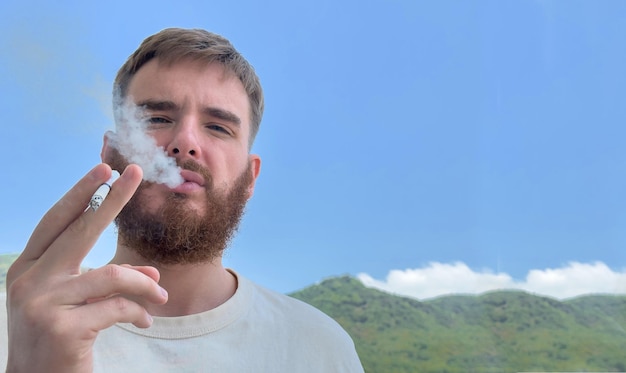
(256, 330)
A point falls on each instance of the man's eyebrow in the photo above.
(158, 105)
(223, 115)
(165, 105)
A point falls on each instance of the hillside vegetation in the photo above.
(503, 331)
(5, 262)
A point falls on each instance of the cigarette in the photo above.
(100, 194)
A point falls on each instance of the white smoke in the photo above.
(133, 142)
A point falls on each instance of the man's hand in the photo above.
(54, 311)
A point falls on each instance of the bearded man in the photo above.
(166, 302)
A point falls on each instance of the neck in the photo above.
(192, 288)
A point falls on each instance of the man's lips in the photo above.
(192, 177)
(193, 181)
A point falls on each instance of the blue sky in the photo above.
(400, 136)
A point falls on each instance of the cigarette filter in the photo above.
(103, 190)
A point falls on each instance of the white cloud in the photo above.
(437, 279)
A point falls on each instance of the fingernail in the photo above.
(163, 292)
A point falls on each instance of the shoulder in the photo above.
(317, 340)
(294, 313)
(283, 302)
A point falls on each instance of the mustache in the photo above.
(194, 166)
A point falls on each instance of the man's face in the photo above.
(200, 115)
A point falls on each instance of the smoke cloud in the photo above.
(137, 146)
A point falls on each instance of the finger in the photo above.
(111, 280)
(108, 312)
(74, 243)
(64, 212)
(149, 271)
(56, 220)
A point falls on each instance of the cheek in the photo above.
(235, 173)
(159, 137)
(148, 198)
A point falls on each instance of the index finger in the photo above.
(63, 213)
(70, 248)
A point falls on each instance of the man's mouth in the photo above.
(192, 177)
(193, 181)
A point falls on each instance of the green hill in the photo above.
(504, 331)
(5, 262)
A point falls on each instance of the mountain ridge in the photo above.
(497, 331)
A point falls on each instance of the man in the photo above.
(166, 303)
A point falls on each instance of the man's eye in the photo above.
(218, 128)
(157, 122)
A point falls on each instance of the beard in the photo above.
(176, 234)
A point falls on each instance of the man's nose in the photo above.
(185, 142)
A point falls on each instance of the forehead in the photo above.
(191, 84)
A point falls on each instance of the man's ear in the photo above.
(255, 169)
(105, 152)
